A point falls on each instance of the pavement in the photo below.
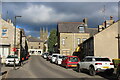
(0, 75)
(37, 67)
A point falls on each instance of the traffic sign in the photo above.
(14, 49)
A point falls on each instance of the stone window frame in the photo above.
(78, 41)
(4, 32)
(63, 41)
(80, 30)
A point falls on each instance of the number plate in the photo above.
(105, 67)
(74, 65)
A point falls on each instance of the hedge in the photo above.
(116, 62)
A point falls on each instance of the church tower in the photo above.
(43, 34)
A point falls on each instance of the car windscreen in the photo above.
(46, 53)
(60, 57)
(12, 57)
(54, 55)
(102, 59)
(73, 59)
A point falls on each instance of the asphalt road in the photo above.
(37, 67)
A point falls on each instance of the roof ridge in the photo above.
(70, 22)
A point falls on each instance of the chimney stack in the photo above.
(85, 20)
(111, 17)
(9, 21)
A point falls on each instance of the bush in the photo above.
(116, 62)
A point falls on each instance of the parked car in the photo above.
(26, 57)
(70, 61)
(44, 55)
(53, 58)
(118, 72)
(10, 60)
(96, 64)
(49, 57)
(59, 59)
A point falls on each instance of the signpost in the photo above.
(14, 49)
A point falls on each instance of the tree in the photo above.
(52, 40)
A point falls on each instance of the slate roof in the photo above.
(33, 39)
(72, 27)
(92, 31)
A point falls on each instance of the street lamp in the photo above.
(15, 39)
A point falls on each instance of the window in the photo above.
(89, 59)
(31, 47)
(102, 59)
(83, 39)
(39, 47)
(78, 40)
(61, 57)
(54, 56)
(63, 41)
(81, 29)
(39, 43)
(4, 32)
(73, 59)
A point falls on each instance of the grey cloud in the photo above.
(36, 15)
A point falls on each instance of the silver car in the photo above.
(59, 59)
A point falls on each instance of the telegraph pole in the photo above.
(118, 37)
(15, 39)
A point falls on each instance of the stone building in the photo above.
(7, 37)
(35, 45)
(44, 38)
(106, 42)
(43, 34)
(71, 34)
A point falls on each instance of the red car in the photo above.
(70, 61)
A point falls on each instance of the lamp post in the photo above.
(15, 39)
(118, 37)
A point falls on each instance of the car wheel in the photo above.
(66, 67)
(51, 61)
(57, 63)
(78, 68)
(6, 65)
(92, 71)
(19, 64)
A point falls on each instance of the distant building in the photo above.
(43, 34)
(24, 44)
(105, 43)
(44, 38)
(71, 34)
(7, 37)
(35, 45)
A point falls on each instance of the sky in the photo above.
(36, 15)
